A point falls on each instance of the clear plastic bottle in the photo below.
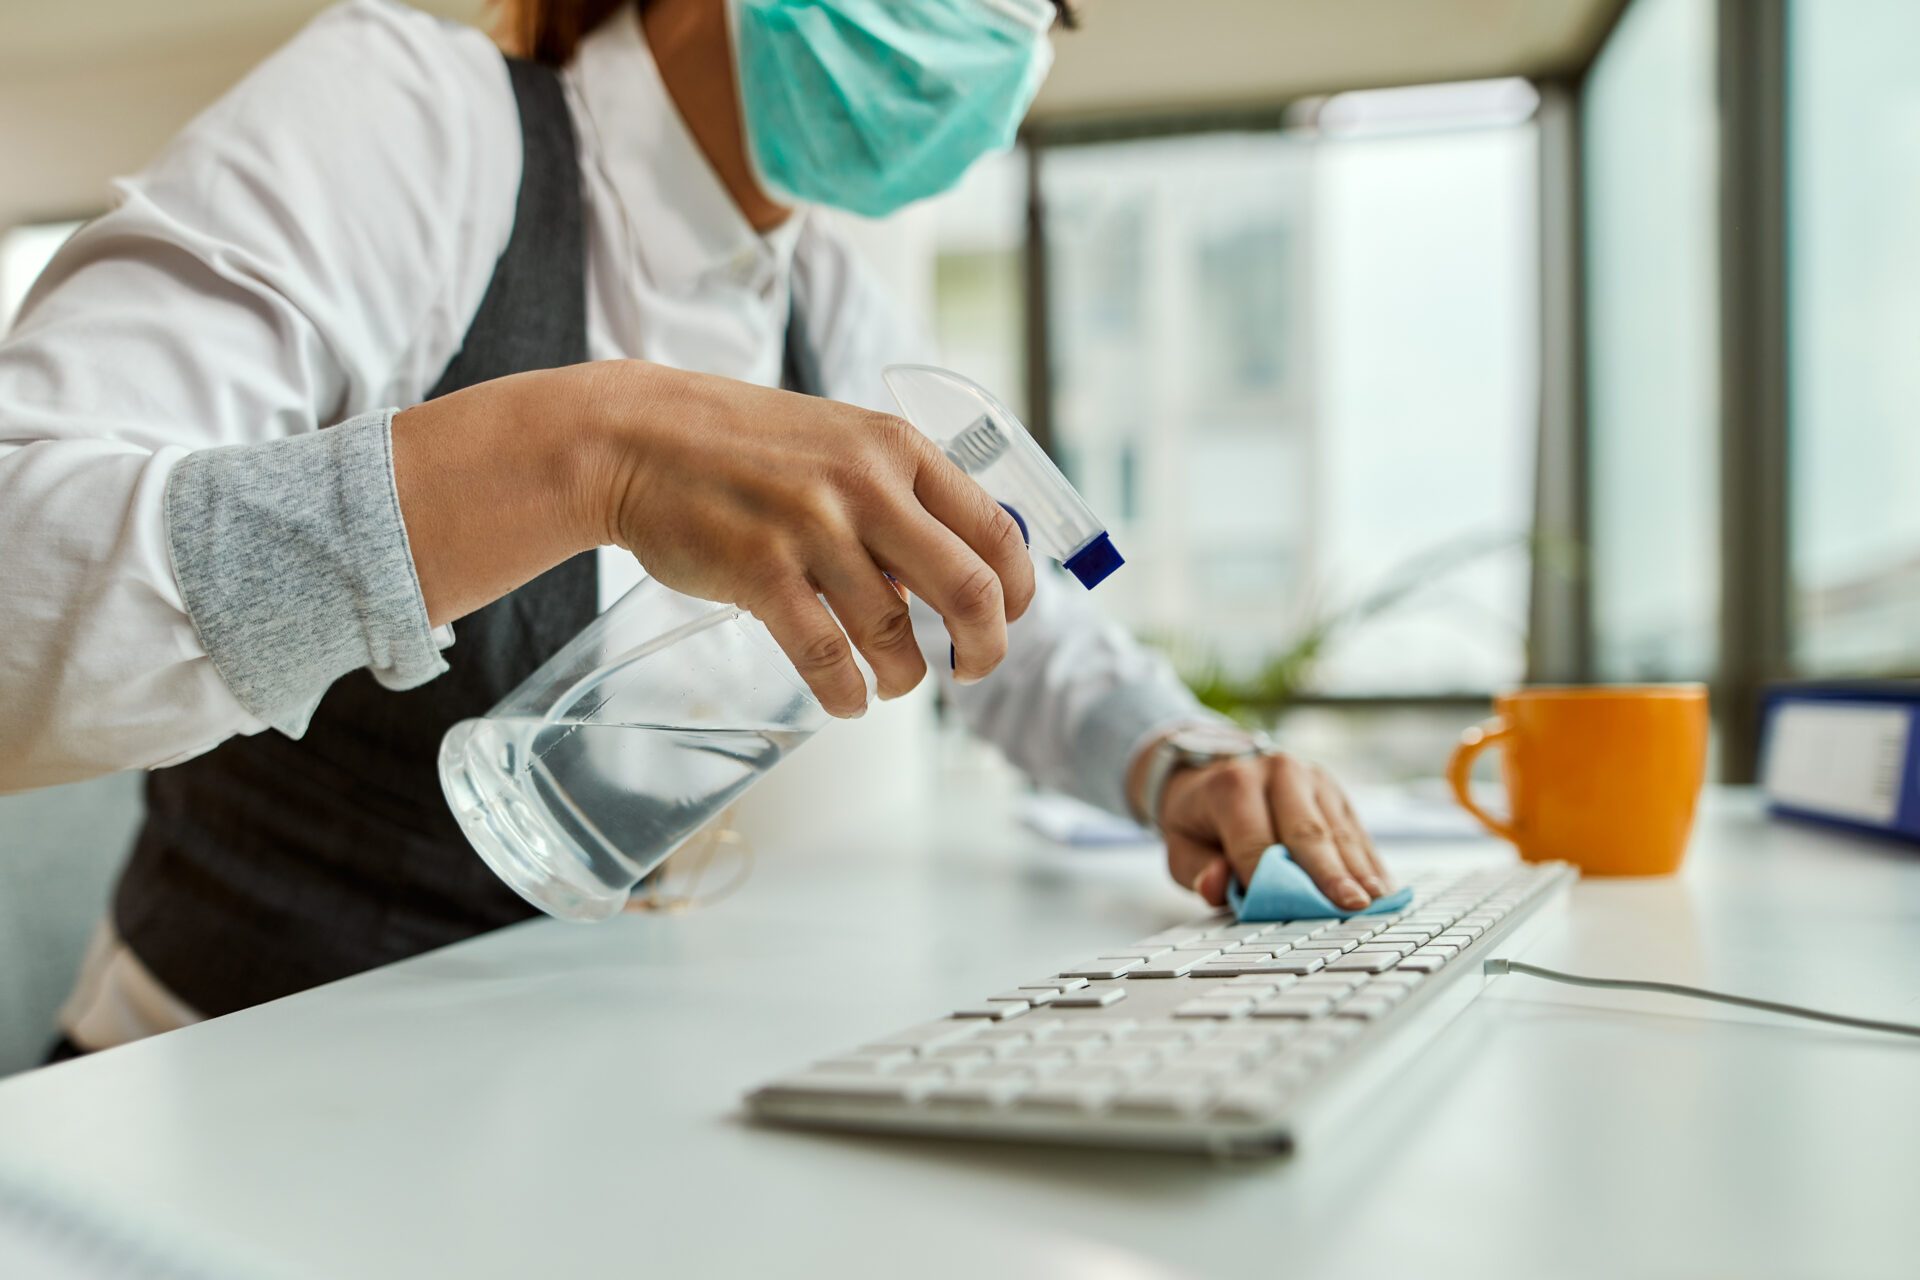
(665, 708)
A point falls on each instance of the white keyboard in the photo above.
(1216, 1035)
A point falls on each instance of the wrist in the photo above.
(1184, 747)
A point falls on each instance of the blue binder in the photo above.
(1844, 753)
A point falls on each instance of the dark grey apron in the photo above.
(270, 865)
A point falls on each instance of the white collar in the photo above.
(684, 222)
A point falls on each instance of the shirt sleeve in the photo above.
(1077, 696)
(310, 249)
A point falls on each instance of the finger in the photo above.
(1187, 857)
(1347, 836)
(1211, 883)
(932, 562)
(1237, 804)
(1308, 834)
(957, 501)
(869, 606)
(818, 649)
(1199, 866)
(1377, 863)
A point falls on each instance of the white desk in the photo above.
(562, 1101)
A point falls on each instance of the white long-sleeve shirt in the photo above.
(312, 248)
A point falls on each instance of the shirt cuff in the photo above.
(1117, 727)
(294, 564)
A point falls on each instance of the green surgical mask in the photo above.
(868, 105)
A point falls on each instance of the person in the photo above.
(560, 313)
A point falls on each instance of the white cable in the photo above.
(1499, 966)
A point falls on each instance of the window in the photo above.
(979, 293)
(1653, 402)
(24, 251)
(1853, 126)
(1287, 363)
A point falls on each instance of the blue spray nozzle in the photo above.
(986, 441)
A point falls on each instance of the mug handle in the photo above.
(1460, 772)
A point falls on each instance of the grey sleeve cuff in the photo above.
(1115, 728)
(293, 561)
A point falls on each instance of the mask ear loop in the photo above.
(687, 881)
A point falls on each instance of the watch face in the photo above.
(1214, 740)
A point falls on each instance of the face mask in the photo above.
(868, 105)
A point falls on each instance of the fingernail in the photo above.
(1195, 886)
(1349, 894)
(1374, 887)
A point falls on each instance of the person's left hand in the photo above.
(1219, 818)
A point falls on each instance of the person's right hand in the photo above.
(724, 490)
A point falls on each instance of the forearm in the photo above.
(496, 483)
(1077, 701)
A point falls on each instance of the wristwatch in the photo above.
(1192, 747)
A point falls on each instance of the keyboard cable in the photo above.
(1499, 966)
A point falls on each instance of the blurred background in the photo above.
(1413, 348)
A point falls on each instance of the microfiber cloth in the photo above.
(1281, 890)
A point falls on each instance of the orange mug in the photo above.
(1604, 778)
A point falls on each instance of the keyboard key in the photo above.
(1259, 982)
(1039, 1058)
(928, 1035)
(1298, 963)
(1080, 1039)
(1421, 962)
(1364, 1007)
(1015, 1072)
(1099, 969)
(1174, 964)
(1161, 1036)
(1219, 1007)
(1458, 937)
(998, 1039)
(1090, 998)
(1135, 952)
(1293, 1006)
(869, 1065)
(1251, 1101)
(1027, 995)
(1128, 1063)
(1218, 1055)
(1220, 969)
(1055, 984)
(1237, 932)
(1060, 1095)
(926, 1070)
(1150, 1099)
(957, 1054)
(1175, 936)
(1383, 948)
(869, 1089)
(969, 1095)
(1358, 963)
(998, 1010)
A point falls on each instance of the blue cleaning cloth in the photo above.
(1281, 890)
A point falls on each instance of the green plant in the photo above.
(1283, 675)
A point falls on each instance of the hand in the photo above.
(723, 490)
(1218, 820)
(770, 500)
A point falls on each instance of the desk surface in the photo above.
(562, 1100)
